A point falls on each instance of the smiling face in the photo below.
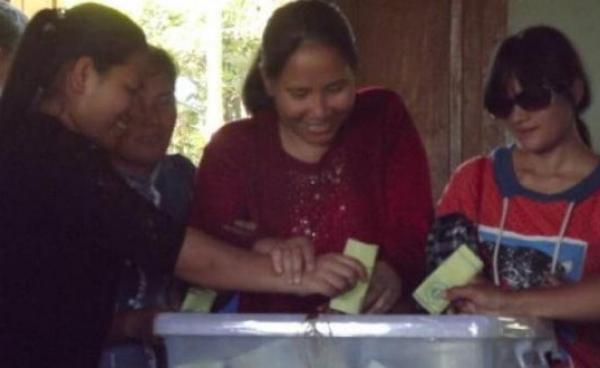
(152, 120)
(104, 100)
(543, 129)
(313, 95)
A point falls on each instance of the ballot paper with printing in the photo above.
(351, 302)
(456, 270)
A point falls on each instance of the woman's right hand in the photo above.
(290, 257)
(333, 274)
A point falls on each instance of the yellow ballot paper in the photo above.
(198, 300)
(456, 270)
(351, 301)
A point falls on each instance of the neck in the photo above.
(570, 155)
(136, 169)
(300, 150)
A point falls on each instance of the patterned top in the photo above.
(530, 238)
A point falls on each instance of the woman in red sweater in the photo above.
(319, 160)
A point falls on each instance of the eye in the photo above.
(336, 86)
(298, 93)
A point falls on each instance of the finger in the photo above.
(357, 268)
(337, 282)
(378, 305)
(288, 268)
(461, 292)
(297, 259)
(339, 266)
(323, 287)
(469, 308)
(277, 260)
(308, 253)
(373, 294)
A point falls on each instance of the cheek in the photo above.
(290, 109)
(342, 102)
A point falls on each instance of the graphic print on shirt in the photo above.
(524, 261)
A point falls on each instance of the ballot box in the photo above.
(196, 340)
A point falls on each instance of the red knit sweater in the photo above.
(372, 185)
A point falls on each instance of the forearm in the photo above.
(571, 302)
(209, 262)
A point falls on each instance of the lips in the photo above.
(525, 130)
(318, 128)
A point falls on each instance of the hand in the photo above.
(333, 274)
(459, 306)
(385, 289)
(290, 257)
(481, 298)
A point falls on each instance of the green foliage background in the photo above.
(178, 26)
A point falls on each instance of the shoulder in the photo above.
(466, 185)
(179, 164)
(378, 98)
(235, 135)
(473, 167)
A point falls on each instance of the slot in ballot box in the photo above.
(357, 341)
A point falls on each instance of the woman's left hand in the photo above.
(384, 291)
(480, 298)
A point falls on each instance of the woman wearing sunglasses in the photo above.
(536, 202)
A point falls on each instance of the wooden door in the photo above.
(435, 54)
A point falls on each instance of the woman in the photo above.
(318, 159)
(536, 202)
(67, 219)
(140, 157)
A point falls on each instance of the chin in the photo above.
(536, 147)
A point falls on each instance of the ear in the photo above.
(577, 91)
(268, 83)
(80, 75)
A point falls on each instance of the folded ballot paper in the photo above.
(198, 299)
(351, 302)
(456, 270)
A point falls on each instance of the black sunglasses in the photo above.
(531, 98)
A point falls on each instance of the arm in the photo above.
(209, 262)
(220, 200)
(571, 302)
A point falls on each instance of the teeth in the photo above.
(318, 128)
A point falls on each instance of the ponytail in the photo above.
(32, 68)
(52, 40)
(254, 93)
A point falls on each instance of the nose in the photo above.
(146, 113)
(319, 106)
(518, 114)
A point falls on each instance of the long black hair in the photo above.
(53, 39)
(540, 56)
(159, 61)
(290, 26)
